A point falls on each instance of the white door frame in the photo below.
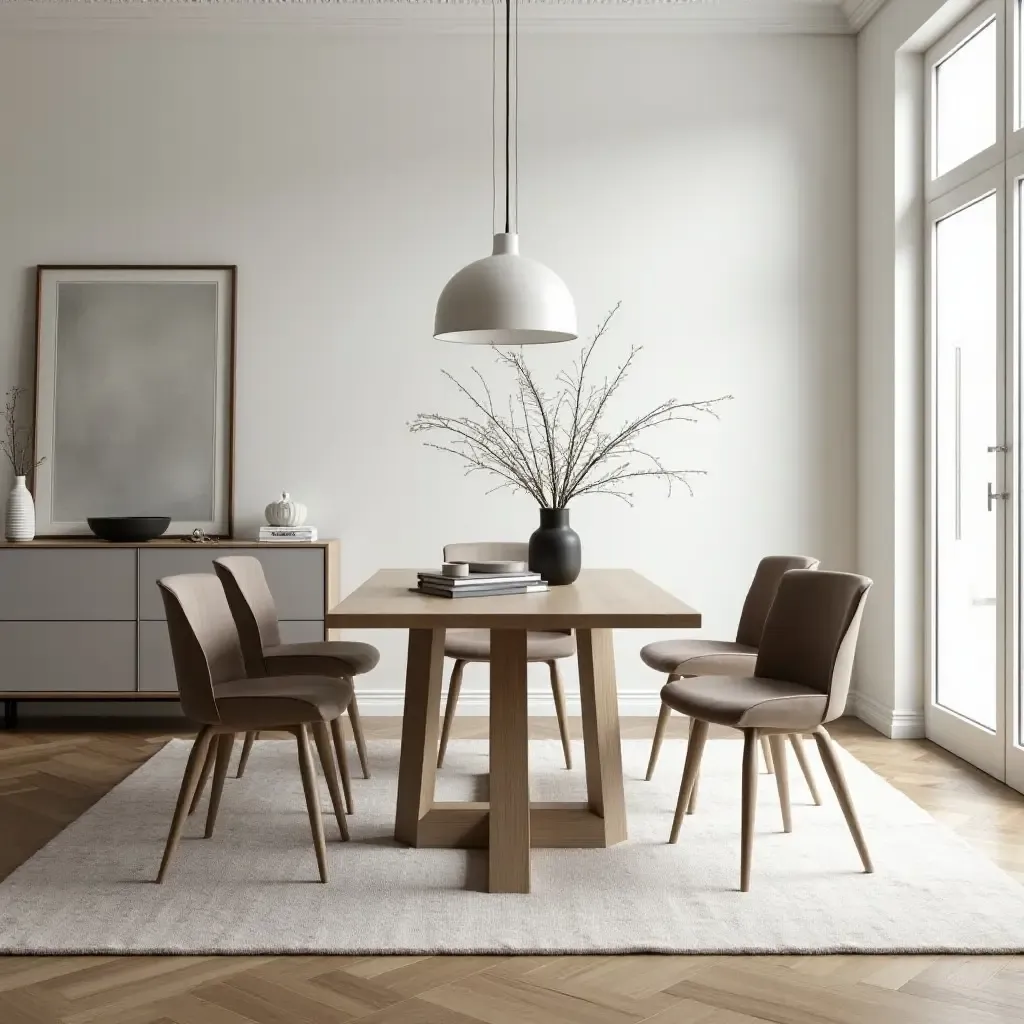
(1013, 274)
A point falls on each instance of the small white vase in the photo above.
(21, 512)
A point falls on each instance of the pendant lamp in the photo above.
(505, 298)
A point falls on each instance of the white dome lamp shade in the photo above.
(505, 298)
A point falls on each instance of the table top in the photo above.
(599, 599)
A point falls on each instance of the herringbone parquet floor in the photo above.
(47, 778)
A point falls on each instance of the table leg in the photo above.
(601, 741)
(509, 821)
(418, 761)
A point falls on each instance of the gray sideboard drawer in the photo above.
(72, 657)
(64, 584)
(156, 665)
(295, 575)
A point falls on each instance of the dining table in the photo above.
(508, 825)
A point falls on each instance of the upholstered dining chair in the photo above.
(682, 658)
(800, 682)
(219, 696)
(465, 645)
(255, 614)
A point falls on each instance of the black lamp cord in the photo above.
(508, 106)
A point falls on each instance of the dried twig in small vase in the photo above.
(16, 443)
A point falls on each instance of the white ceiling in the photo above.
(801, 16)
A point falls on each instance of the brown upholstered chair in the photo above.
(801, 680)
(475, 644)
(682, 658)
(255, 614)
(218, 696)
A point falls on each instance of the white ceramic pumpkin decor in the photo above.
(285, 512)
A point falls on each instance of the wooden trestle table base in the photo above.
(508, 825)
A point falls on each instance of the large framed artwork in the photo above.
(134, 396)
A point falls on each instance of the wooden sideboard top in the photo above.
(161, 542)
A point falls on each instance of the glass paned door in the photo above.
(966, 378)
(968, 478)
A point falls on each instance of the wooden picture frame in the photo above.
(134, 396)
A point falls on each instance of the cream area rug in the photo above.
(252, 888)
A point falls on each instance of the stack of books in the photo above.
(480, 584)
(287, 534)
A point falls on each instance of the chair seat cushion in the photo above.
(321, 658)
(747, 702)
(475, 645)
(273, 702)
(671, 656)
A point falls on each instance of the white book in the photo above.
(288, 533)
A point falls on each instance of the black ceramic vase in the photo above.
(555, 548)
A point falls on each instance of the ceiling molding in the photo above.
(860, 12)
(438, 16)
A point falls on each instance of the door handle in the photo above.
(994, 495)
(997, 448)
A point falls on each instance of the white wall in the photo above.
(890, 369)
(707, 182)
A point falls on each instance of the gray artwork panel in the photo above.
(135, 400)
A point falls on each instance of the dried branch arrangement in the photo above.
(16, 443)
(556, 446)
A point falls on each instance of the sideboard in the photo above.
(83, 619)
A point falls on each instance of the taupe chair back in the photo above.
(487, 551)
(204, 642)
(762, 592)
(811, 633)
(252, 605)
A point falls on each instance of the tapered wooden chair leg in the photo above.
(357, 735)
(339, 749)
(835, 775)
(454, 686)
(224, 744)
(797, 742)
(316, 823)
(189, 782)
(243, 760)
(659, 735)
(766, 751)
(778, 745)
(322, 739)
(207, 770)
(694, 750)
(749, 806)
(563, 724)
(692, 805)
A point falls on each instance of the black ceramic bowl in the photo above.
(128, 529)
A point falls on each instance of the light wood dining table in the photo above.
(508, 825)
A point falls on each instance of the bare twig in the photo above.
(16, 443)
(553, 446)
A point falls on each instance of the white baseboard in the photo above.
(897, 725)
(389, 703)
(379, 703)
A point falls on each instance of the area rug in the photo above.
(252, 888)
